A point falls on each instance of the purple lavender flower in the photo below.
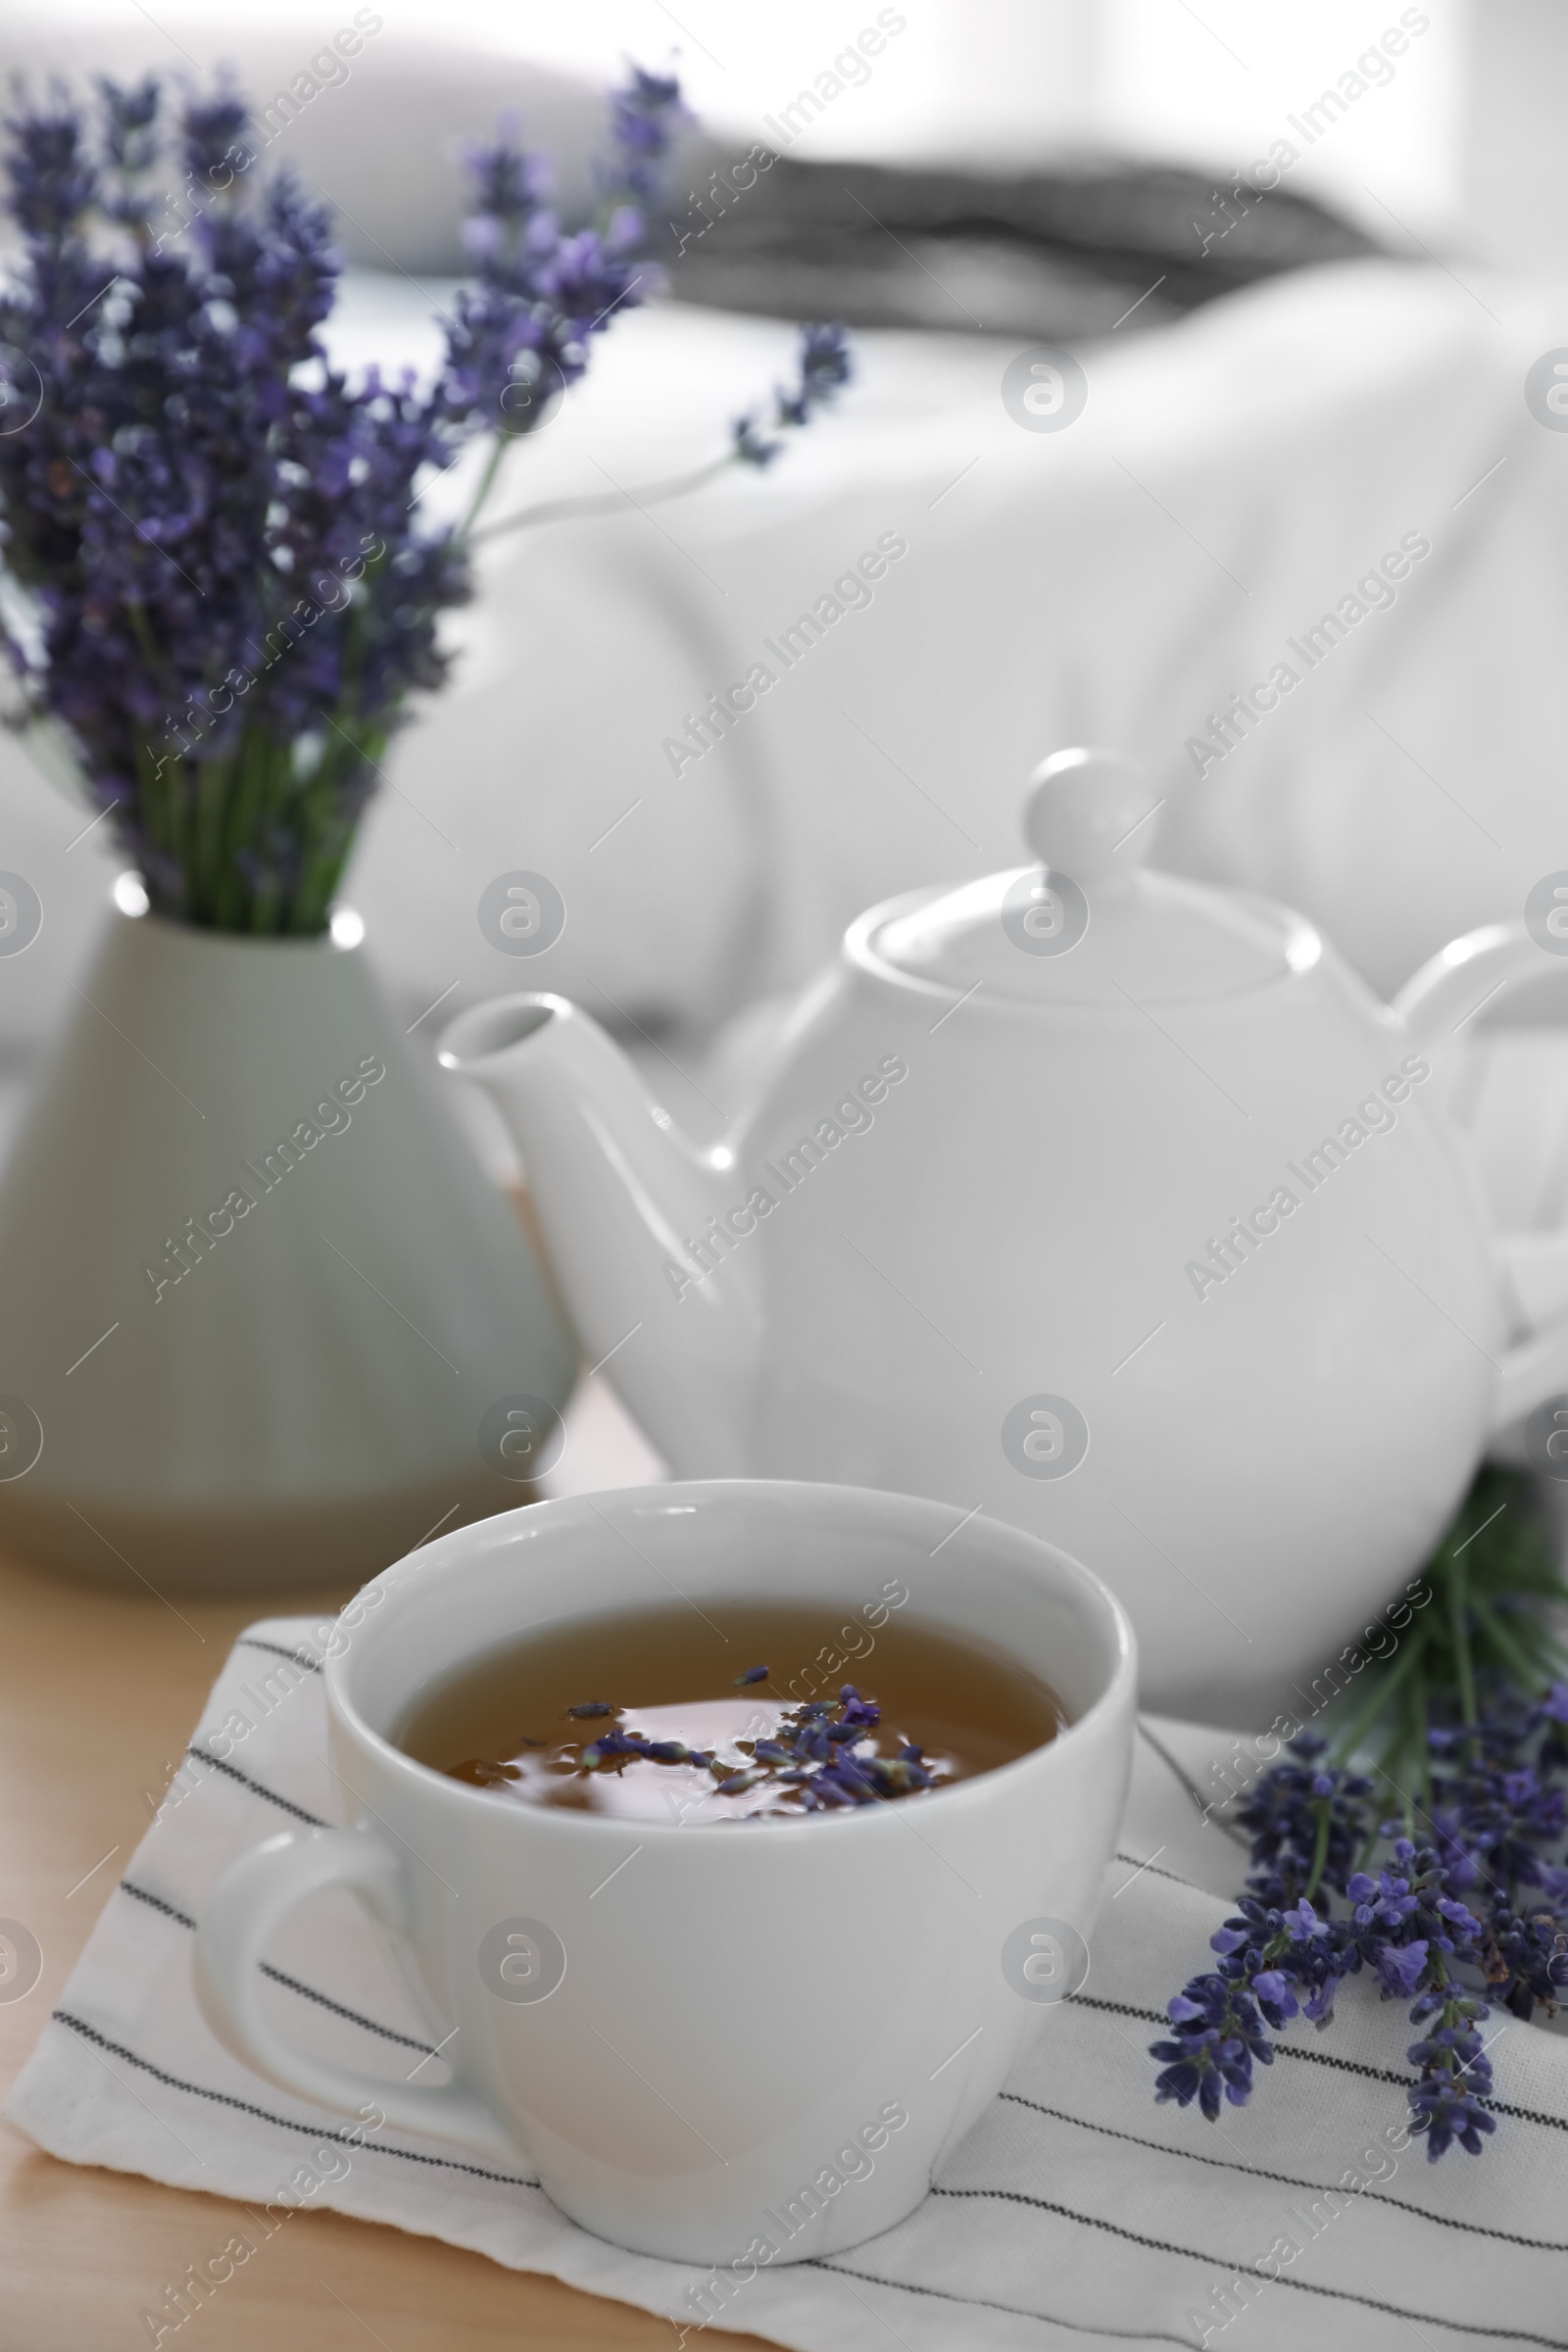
(1402, 1967)
(233, 598)
(1272, 1987)
(1527, 1957)
(824, 368)
(1494, 1811)
(1431, 1909)
(1209, 2058)
(1445, 2113)
(229, 589)
(1453, 2078)
(823, 1754)
(645, 115)
(1307, 1824)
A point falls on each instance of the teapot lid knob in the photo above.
(1083, 804)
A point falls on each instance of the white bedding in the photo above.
(1231, 479)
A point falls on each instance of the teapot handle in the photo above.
(1436, 1006)
(1439, 1002)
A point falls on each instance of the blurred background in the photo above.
(1306, 258)
(1303, 266)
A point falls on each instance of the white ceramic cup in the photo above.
(703, 2035)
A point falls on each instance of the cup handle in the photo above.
(1435, 1007)
(253, 1895)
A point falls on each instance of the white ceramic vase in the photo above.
(256, 1298)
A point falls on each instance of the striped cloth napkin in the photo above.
(1077, 2213)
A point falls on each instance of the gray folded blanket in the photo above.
(1059, 253)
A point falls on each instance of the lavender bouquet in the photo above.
(1438, 1866)
(218, 577)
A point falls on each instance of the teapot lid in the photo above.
(1086, 924)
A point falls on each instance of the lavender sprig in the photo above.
(824, 369)
(1483, 1898)
(1496, 1626)
(645, 112)
(224, 586)
(1459, 1905)
(232, 593)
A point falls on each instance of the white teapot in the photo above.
(1102, 1201)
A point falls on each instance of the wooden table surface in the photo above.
(98, 1694)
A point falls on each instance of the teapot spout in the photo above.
(628, 1209)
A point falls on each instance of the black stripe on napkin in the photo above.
(223, 2098)
(156, 1903)
(202, 1755)
(295, 1658)
(1305, 2286)
(1156, 1871)
(1261, 2172)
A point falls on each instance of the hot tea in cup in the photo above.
(644, 1718)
